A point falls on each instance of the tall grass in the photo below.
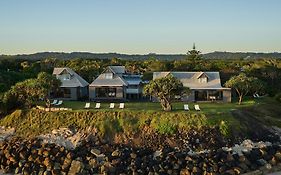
(108, 123)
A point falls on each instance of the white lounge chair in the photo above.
(59, 103)
(197, 108)
(54, 102)
(87, 105)
(122, 106)
(97, 106)
(185, 107)
(111, 106)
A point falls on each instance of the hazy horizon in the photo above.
(139, 27)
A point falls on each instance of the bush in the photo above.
(224, 130)
(278, 97)
(164, 124)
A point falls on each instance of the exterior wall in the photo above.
(84, 92)
(120, 92)
(227, 96)
(74, 95)
(92, 92)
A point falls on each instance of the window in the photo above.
(66, 93)
(203, 80)
(108, 75)
(65, 77)
(105, 92)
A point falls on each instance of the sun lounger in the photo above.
(87, 105)
(59, 103)
(111, 106)
(185, 107)
(197, 108)
(54, 102)
(122, 106)
(97, 106)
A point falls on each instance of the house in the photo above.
(73, 87)
(114, 83)
(204, 86)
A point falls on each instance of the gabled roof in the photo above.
(117, 69)
(190, 79)
(132, 79)
(201, 74)
(74, 81)
(120, 78)
(115, 81)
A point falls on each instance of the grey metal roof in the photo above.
(74, 81)
(120, 78)
(115, 81)
(117, 69)
(190, 79)
(132, 79)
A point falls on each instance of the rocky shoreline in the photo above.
(65, 151)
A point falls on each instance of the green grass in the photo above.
(207, 108)
(136, 114)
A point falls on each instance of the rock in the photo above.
(278, 156)
(76, 167)
(157, 154)
(261, 162)
(95, 152)
(184, 172)
(116, 153)
(133, 155)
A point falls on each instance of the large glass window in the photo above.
(215, 95)
(105, 92)
(200, 95)
(66, 93)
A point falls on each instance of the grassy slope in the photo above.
(135, 115)
(34, 122)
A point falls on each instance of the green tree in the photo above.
(165, 89)
(194, 58)
(244, 84)
(194, 54)
(26, 93)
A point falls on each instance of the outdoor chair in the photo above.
(97, 106)
(54, 102)
(59, 103)
(197, 108)
(111, 106)
(122, 106)
(87, 105)
(185, 107)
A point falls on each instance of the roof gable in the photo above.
(74, 81)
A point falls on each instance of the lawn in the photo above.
(211, 108)
(214, 111)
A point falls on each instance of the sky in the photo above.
(139, 26)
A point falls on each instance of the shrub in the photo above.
(224, 129)
(278, 97)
